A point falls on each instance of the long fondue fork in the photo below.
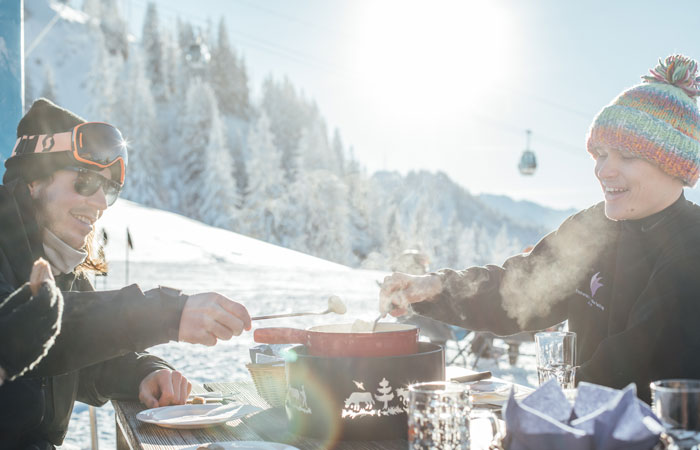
(335, 305)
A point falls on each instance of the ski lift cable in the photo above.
(290, 18)
(263, 44)
(304, 59)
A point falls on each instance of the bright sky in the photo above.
(453, 85)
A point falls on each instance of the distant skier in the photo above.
(63, 174)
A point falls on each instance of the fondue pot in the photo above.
(388, 339)
(355, 398)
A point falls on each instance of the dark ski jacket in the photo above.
(629, 289)
(98, 354)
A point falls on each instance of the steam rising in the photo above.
(533, 284)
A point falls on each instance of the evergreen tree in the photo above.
(338, 151)
(266, 181)
(204, 165)
(287, 119)
(314, 149)
(101, 81)
(228, 76)
(136, 115)
(315, 217)
(152, 44)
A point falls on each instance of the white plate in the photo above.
(192, 416)
(490, 387)
(247, 445)
(490, 392)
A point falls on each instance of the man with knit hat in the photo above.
(623, 272)
(62, 175)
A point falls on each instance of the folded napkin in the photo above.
(601, 419)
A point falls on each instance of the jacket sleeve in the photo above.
(661, 339)
(117, 379)
(98, 326)
(530, 291)
(29, 325)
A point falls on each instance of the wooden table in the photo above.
(268, 425)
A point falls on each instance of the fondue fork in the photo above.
(381, 316)
(335, 305)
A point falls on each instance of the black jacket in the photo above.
(630, 290)
(94, 357)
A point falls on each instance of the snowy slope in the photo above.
(161, 237)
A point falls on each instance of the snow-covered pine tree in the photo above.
(101, 80)
(203, 176)
(338, 151)
(136, 115)
(266, 181)
(114, 29)
(359, 231)
(315, 151)
(228, 77)
(316, 217)
(287, 115)
(152, 45)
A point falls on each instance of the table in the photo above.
(267, 425)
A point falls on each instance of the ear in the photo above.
(35, 186)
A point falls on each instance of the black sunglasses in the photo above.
(88, 182)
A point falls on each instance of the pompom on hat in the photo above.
(657, 120)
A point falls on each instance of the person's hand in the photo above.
(211, 316)
(164, 387)
(41, 273)
(400, 290)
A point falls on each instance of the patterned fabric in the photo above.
(657, 120)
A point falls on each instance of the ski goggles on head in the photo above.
(88, 182)
(95, 144)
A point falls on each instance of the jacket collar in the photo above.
(659, 219)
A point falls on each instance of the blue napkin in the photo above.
(601, 419)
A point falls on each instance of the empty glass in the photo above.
(439, 415)
(556, 357)
(677, 404)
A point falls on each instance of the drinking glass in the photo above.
(677, 404)
(556, 357)
(439, 415)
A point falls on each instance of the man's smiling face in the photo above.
(69, 215)
(633, 187)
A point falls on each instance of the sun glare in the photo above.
(411, 55)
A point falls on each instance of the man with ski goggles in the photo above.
(63, 174)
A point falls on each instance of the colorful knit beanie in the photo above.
(657, 120)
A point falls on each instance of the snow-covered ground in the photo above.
(171, 250)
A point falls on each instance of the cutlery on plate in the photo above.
(472, 377)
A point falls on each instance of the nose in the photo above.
(606, 167)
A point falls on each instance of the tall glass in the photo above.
(556, 357)
(677, 404)
(439, 415)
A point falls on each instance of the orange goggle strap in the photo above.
(60, 142)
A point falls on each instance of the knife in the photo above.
(472, 377)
